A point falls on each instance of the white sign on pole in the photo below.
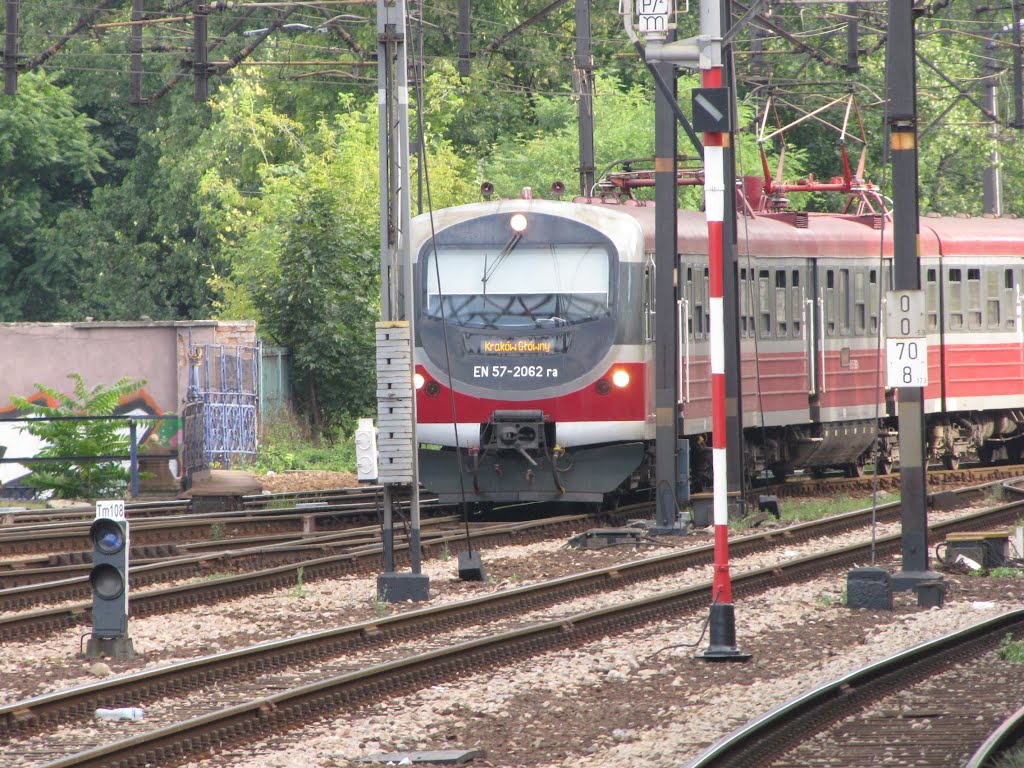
(114, 509)
(906, 344)
(652, 16)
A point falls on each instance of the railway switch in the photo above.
(109, 581)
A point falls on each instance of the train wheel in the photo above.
(883, 467)
(951, 461)
(855, 470)
(985, 454)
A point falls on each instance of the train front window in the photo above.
(525, 287)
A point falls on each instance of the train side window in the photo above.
(764, 304)
(844, 302)
(993, 314)
(744, 300)
(974, 298)
(1010, 298)
(860, 305)
(688, 288)
(796, 302)
(701, 313)
(931, 289)
(873, 300)
(781, 317)
(956, 299)
(830, 302)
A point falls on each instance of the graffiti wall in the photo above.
(103, 353)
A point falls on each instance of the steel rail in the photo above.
(1009, 733)
(347, 691)
(771, 735)
(34, 623)
(63, 536)
(40, 711)
(188, 561)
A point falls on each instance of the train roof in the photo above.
(805, 235)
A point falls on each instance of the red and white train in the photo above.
(534, 348)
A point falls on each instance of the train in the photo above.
(534, 348)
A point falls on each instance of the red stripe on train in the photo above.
(620, 404)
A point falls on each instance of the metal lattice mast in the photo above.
(396, 402)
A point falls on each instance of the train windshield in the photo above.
(521, 287)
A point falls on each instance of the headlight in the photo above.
(620, 378)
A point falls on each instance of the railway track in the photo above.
(362, 556)
(503, 631)
(931, 706)
(66, 542)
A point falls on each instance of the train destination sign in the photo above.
(524, 345)
(906, 343)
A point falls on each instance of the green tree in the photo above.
(303, 251)
(74, 478)
(48, 161)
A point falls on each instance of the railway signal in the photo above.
(109, 581)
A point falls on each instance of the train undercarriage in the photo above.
(852, 447)
(519, 461)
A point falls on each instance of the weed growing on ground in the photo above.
(300, 590)
(1007, 573)
(285, 444)
(1012, 759)
(217, 532)
(380, 603)
(1011, 650)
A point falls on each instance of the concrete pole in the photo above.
(901, 118)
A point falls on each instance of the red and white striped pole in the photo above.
(705, 53)
(722, 645)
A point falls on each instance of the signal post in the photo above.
(108, 578)
(712, 111)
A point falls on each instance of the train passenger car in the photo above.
(547, 332)
(974, 401)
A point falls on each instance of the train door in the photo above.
(781, 363)
(814, 321)
(845, 380)
(847, 394)
(695, 368)
(747, 300)
(934, 394)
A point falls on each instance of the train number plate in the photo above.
(514, 372)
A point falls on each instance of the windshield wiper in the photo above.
(502, 255)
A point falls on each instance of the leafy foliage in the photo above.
(48, 162)
(262, 203)
(1011, 650)
(70, 440)
(286, 444)
(305, 253)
